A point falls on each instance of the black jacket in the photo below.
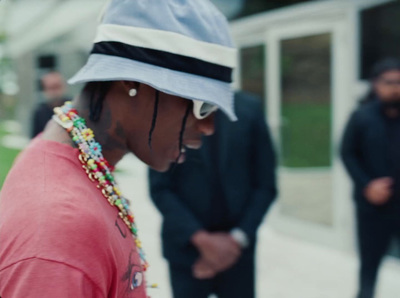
(43, 114)
(184, 196)
(364, 149)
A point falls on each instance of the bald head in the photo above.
(53, 86)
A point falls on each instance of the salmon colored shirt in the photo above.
(59, 237)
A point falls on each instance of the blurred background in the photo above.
(308, 60)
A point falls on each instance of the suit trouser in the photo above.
(236, 282)
(375, 232)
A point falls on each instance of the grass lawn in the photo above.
(306, 135)
(7, 157)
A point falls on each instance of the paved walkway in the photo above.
(287, 267)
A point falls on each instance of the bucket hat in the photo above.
(179, 47)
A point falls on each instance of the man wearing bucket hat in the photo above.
(157, 70)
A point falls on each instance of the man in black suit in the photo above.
(371, 154)
(213, 204)
(53, 87)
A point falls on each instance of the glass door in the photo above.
(306, 128)
(305, 111)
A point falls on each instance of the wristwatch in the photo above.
(240, 237)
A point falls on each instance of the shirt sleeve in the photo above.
(351, 152)
(34, 278)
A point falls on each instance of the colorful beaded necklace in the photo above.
(97, 168)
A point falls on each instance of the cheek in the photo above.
(166, 133)
(382, 91)
(164, 141)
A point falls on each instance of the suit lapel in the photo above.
(208, 152)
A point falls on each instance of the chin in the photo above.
(155, 161)
(160, 166)
(161, 169)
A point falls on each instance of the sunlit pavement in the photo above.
(287, 267)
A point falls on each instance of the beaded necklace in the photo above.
(97, 168)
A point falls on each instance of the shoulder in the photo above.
(247, 100)
(43, 111)
(42, 107)
(247, 105)
(364, 112)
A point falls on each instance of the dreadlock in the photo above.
(97, 92)
(154, 120)
(185, 117)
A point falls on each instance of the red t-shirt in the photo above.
(59, 237)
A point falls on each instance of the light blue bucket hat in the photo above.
(179, 47)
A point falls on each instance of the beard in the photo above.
(391, 105)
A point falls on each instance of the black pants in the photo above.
(375, 232)
(237, 282)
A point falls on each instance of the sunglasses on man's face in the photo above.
(202, 110)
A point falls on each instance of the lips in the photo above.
(180, 155)
(195, 145)
(182, 158)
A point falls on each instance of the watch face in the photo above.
(240, 237)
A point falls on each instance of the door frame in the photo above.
(340, 78)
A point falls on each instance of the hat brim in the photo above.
(112, 68)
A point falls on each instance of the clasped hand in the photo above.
(218, 252)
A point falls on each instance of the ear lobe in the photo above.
(128, 85)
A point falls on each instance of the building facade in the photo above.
(309, 63)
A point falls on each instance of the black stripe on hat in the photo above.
(165, 59)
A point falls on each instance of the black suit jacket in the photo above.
(43, 114)
(246, 159)
(364, 149)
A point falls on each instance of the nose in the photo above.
(206, 126)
